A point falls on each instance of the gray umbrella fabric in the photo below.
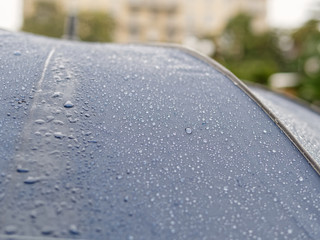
(301, 121)
(106, 141)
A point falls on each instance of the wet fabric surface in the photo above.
(138, 142)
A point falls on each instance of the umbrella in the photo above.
(107, 141)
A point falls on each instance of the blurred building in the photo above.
(167, 20)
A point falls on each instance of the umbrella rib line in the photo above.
(45, 69)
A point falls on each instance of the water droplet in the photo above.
(38, 203)
(68, 104)
(46, 230)
(33, 214)
(58, 135)
(39, 121)
(37, 133)
(264, 131)
(72, 120)
(31, 180)
(21, 169)
(58, 122)
(300, 179)
(188, 130)
(56, 94)
(2, 195)
(10, 229)
(17, 53)
(73, 229)
(50, 118)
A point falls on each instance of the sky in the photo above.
(288, 13)
(281, 13)
(10, 14)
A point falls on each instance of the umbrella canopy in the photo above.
(301, 123)
(143, 142)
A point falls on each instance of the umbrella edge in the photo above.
(315, 165)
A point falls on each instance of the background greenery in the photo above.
(256, 56)
(50, 20)
(249, 55)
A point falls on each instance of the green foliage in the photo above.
(248, 55)
(97, 27)
(307, 61)
(255, 57)
(48, 20)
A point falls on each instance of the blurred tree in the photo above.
(248, 55)
(307, 61)
(95, 26)
(255, 57)
(48, 20)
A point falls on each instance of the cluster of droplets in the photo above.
(44, 134)
(141, 152)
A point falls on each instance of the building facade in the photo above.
(167, 20)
